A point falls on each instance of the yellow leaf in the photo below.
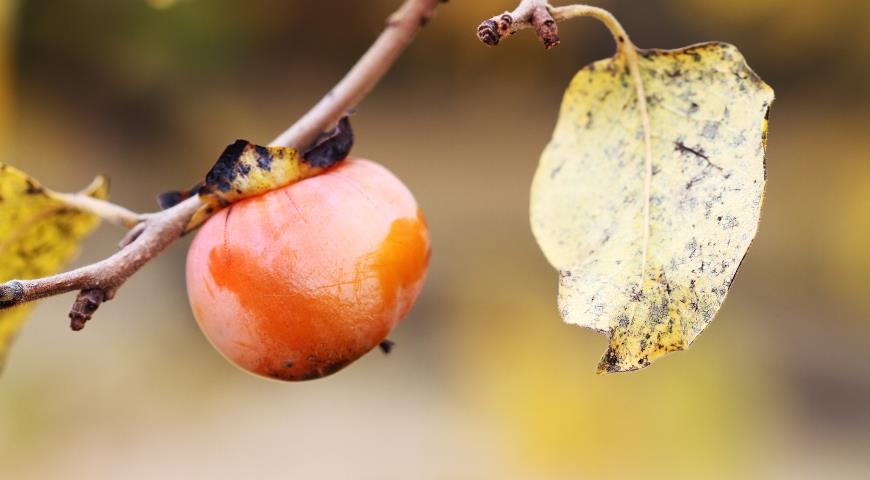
(708, 117)
(38, 235)
(246, 170)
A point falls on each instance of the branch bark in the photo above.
(152, 233)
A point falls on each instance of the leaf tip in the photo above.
(99, 188)
(613, 362)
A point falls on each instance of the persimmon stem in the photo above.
(529, 15)
(152, 233)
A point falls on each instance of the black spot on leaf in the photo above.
(264, 159)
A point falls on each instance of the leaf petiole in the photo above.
(104, 209)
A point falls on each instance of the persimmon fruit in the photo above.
(297, 283)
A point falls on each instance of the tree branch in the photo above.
(368, 71)
(152, 233)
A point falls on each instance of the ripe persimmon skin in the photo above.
(299, 282)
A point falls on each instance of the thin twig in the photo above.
(401, 28)
(108, 211)
(152, 233)
(528, 15)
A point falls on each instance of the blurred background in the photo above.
(486, 382)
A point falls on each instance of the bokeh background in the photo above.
(486, 381)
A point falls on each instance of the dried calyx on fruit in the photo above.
(245, 170)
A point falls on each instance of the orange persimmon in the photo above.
(299, 282)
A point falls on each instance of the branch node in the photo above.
(132, 235)
(530, 13)
(11, 293)
(84, 307)
(487, 32)
(545, 27)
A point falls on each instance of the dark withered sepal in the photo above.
(171, 199)
(218, 178)
(331, 147)
(229, 179)
(227, 167)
